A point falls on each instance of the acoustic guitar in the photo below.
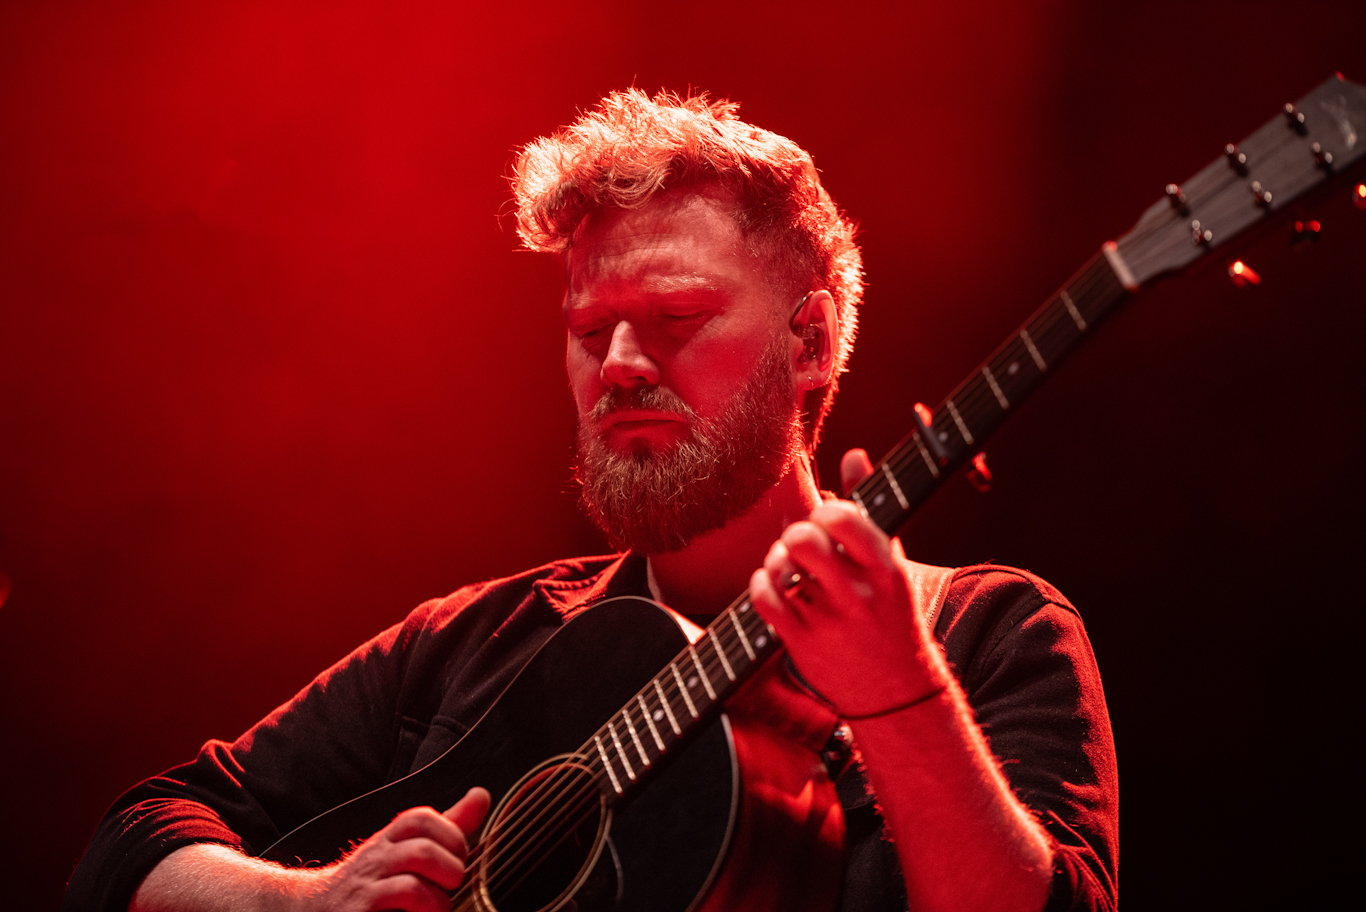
(619, 783)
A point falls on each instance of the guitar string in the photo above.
(540, 803)
(579, 810)
(556, 809)
(725, 632)
(971, 399)
(533, 809)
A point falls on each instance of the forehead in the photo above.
(676, 243)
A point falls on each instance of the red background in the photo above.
(272, 369)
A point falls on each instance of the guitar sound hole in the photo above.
(543, 840)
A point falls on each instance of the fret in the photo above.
(934, 470)
(1161, 242)
(640, 748)
(702, 673)
(645, 714)
(896, 488)
(621, 754)
(664, 704)
(740, 632)
(1033, 352)
(607, 765)
(683, 689)
(958, 420)
(649, 722)
(765, 630)
(995, 387)
(1072, 309)
(721, 654)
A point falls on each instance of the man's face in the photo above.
(681, 365)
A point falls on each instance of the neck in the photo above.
(705, 577)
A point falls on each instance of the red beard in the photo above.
(657, 501)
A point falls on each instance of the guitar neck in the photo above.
(677, 701)
(1309, 144)
(915, 468)
(692, 688)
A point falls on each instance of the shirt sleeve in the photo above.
(334, 740)
(1023, 657)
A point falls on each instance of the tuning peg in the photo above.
(1321, 155)
(1199, 233)
(1359, 196)
(1177, 198)
(1260, 193)
(1243, 274)
(1306, 231)
(1236, 159)
(979, 475)
(1295, 118)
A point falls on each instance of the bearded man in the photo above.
(711, 304)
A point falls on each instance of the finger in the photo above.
(409, 893)
(468, 813)
(854, 467)
(426, 860)
(850, 532)
(772, 588)
(808, 549)
(423, 823)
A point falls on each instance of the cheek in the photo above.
(585, 376)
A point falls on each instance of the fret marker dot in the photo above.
(943, 436)
(877, 501)
(692, 681)
(761, 641)
(1014, 368)
(658, 715)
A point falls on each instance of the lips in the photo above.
(640, 417)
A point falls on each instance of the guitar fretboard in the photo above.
(1293, 153)
(691, 688)
(962, 422)
(688, 692)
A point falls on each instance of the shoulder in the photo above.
(1002, 588)
(561, 587)
(994, 614)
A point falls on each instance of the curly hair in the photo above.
(631, 147)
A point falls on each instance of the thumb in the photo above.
(468, 813)
(854, 467)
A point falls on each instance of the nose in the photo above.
(627, 364)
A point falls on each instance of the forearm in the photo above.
(206, 877)
(965, 842)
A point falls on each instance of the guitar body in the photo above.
(661, 850)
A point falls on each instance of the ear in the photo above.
(816, 327)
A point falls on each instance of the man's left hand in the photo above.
(835, 588)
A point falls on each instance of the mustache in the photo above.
(651, 398)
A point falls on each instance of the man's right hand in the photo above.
(411, 865)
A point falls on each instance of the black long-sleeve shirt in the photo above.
(401, 699)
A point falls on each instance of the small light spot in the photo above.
(692, 681)
(877, 501)
(761, 641)
(658, 715)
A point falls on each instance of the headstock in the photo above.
(1301, 148)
